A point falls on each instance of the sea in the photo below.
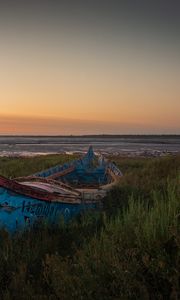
(13, 146)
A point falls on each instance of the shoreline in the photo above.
(121, 153)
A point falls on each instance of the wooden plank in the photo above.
(32, 192)
(49, 181)
(62, 173)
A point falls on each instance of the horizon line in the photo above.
(89, 135)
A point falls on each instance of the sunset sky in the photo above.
(89, 67)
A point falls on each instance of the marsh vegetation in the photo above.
(128, 250)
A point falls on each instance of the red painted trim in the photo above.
(29, 191)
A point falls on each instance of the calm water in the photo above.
(124, 145)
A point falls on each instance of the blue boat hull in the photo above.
(19, 211)
(61, 191)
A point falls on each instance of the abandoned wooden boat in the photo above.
(64, 190)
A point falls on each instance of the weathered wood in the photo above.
(50, 181)
(35, 193)
(62, 173)
(44, 196)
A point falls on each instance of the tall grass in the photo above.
(135, 256)
(130, 250)
(149, 223)
(18, 166)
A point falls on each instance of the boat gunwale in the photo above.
(75, 194)
(36, 194)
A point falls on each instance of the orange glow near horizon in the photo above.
(32, 106)
(57, 79)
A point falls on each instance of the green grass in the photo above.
(129, 250)
(17, 167)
